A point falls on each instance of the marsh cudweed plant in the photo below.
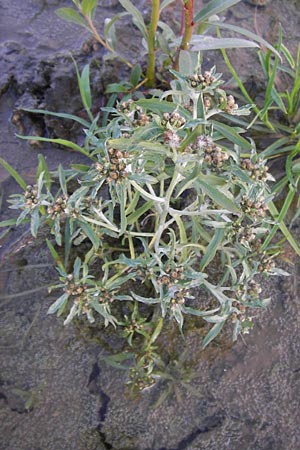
(167, 218)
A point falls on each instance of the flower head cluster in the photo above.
(171, 138)
(31, 197)
(113, 169)
(254, 208)
(202, 80)
(213, 155)
(171, 276)
(134, 112)
(258, 171)
(173, 120)
(230, 105)
(58, 207)
(244, 234)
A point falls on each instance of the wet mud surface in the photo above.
(56, 392)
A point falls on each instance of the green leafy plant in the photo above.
(166, 221)
(277, 117)
(162, 44)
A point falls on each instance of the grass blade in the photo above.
(279, 217)
(13, 173)
(58, 141)
(61, 115)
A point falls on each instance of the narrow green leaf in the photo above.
(139, 212)
(55, 256)
(80, 167)
(212, 248)
(111, 102)
(214, 319)
(186, 66)
(139, 20)
(232, 135)
(76, 268)
(161, 106)
(218, 196)
(270, 86)
(116, 87)
(8, 223)
(135, 76)
(86, 88)
(13, 173)
(213, 333)
(116, 360)
(196, 312)
(200, 108)
(62, 179)
(200, 43)
(68, 241)
(58, 304)
(90, 233)
(165, 3)
(276, 148)
(244, 32)
(88, 7)
(147, 300)
(63, 142)
(35, 222)
(280, 224)
(43, 167)
(146, 194)
(71, 15)
(62, 115)
(212, 8)
(157, 331)
(288, 56)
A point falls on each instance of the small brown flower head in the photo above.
(105, 297)
(201, 81)
(246, 235)
(75, 289)
(257, 172)
(140, 380)
(134, 112)
(31, 196)
(172, 139)
(140, 118)
(230, 106)
(164, 280)
(126, 107)
(101, 169)
(254, 289)
(266, 264)
(58, 207)
(173, 120)
(255, 209)
(216, 157)
(115, 169)
(212, 154)
(207, 103)
(172, 276)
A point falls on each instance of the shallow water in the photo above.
(56, 392)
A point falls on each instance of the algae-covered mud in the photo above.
(56, 391)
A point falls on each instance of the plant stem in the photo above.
(188, 8)
(150, 74)
(103, 43)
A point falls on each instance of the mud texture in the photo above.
(56, 392)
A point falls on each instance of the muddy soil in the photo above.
(56, 392)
